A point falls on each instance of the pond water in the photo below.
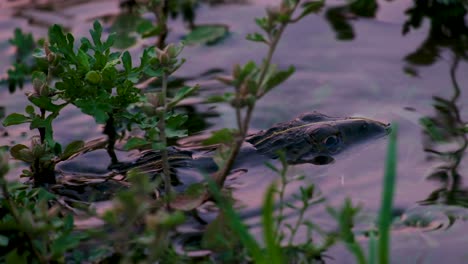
(363, 66)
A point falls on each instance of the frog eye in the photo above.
(331, 141)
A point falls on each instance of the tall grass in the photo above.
(388, 191)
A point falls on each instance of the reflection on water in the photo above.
(448, 30)
(445, 140)
(339, 16)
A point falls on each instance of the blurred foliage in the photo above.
(339, 17)
(33, 227)
(23, 64)
(448, 30)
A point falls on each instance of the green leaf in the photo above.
(38, 122)
(273, 250)
(206, 34)
(262, 23)
(278, 78)
(83, 61)
(72, 149)
(22, 152)
(386, 206)
(127, 62)
(154, 72)
(146, 29)
(136, 143)
(98, 107)
(312, 7)
(39, 75)
(44, 195)
(182, 94)
(224, 135)
(174, 125)
(45, 103)
(63, 243)
(226, 97)
(61, 43)
(248, 69)
(257, 37)
(158, 145)
(15, 119)
(96, 35)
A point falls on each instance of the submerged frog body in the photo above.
(310, 138)
(315, 138)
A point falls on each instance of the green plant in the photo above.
(33, 228)
(140, 226)
(44, 152)
(87, 77)
(252, 81)
(159, 121)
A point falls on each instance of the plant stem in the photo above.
(109, 130)
(162, 134)
(298, 223)
(279, 220)
(161, 13)
(221, 175)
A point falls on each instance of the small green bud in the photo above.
(250, 100)
(93, 77)
(148, 109)
(273, 13)
(173, 50)
(236, 72)
(44, 91)
(51, 58)
(37, 148)
(37, 85)
(164, 58)
(153, 99)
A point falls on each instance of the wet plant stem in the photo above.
(162, 134)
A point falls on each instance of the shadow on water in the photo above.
(445, 139)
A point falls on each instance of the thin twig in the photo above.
(162, 133)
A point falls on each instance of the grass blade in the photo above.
(273, 249)
(388, 188)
